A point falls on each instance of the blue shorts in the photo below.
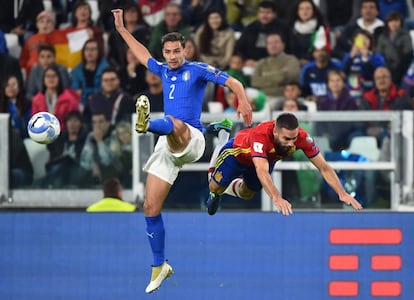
(228, 168)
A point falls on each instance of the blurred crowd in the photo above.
(65, 57)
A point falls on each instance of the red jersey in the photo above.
(259, 142)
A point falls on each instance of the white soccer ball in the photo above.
(43, 128)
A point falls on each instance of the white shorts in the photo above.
(166, 165)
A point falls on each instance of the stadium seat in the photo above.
(47, 4)
(12, 42)
(323, 143)
(95, 9)
(39, 155)
(365, 146)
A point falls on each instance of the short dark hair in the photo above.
(293, 82)
(74, 114)
(109, 69)
(46, 47)
(268, 4)
(112, 187)
(287, 121)
(369, 1)
(173, 37)
(395, 16)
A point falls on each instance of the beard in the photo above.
(282, 148)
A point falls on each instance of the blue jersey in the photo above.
(184, 88)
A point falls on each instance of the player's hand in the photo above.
(245, 110)
(118, 18)
(349, 200)
(283, 206)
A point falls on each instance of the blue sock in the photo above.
(162, 126)
(156, 237)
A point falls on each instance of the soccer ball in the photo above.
(43, 128)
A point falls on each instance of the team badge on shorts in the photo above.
(218, 176)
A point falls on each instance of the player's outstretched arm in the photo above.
(262, 171)
(244, 109)
(139, 50)
(332, 179)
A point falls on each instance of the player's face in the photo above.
(285, 138)
(174, 54)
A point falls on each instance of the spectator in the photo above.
(231, 101)
(98, 160)
(252, 42)
(314, 74)
(360, 63)
(337, 99)
(86, 77)
(305, 20)
(45, 23)
(215, 40)
(191, 50)
(132, 75)
(46, 57)
(272, 72)
(12, 101)
(368, 21)
(384, 96)
(68, 42)
(195, 11)
(136, 25)
(63, 168)
(291, 92)
(112, 201)
(396, 46)
(173, 21)
(9, 66)
(154, 92)
(54, 98)
(123, 145)
(236, 69)
(111, 100)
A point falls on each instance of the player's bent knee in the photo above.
(215, 188)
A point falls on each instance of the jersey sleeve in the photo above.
(155, 66)
(307, 144)
(210, 73)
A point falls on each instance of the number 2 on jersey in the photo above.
(170, 94)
